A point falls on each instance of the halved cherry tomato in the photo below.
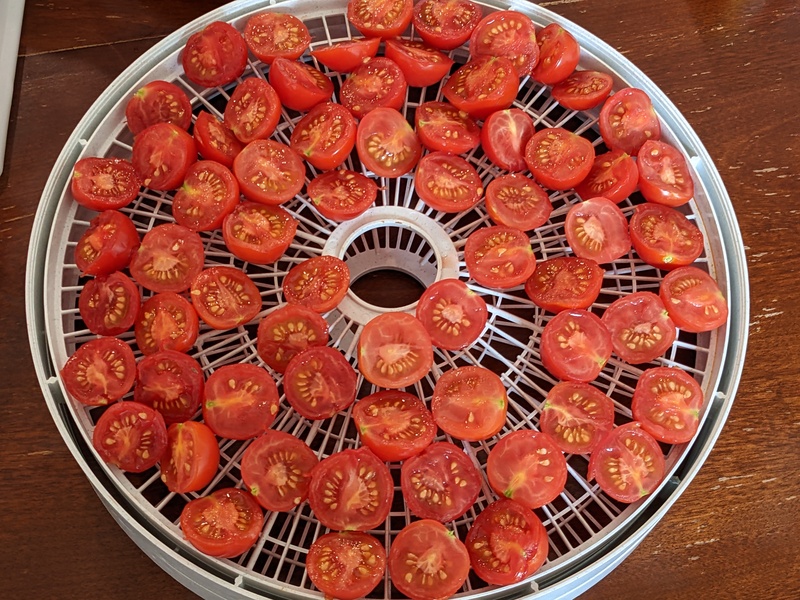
(440, 483)
(172, 383)
(427, 561)
(299, 86)
(347, 55)
(107, 245)
(253, 111)
(421, 65)
(664, 237)
(482, 86)
(100, 371)
(565, 282)
(286, 332)
(166, 321)
(276, 468)
(499, 257)
(628, 120)
(693, 299)
(514, 200)
(505, 135)
(325, 136)
(640, 327)
(596, 229)
(104, 183)
(394, 350)
(386, 143)
(158, 102)
(346, 564)
(131, 436)
(628, 463)
(527, 466)
(342, 194)
(225, 297)
(506, 543)
(394, 425)
(613, 175)
(575, 345)
(215, 56)
(558, 158)
(453, 314)
(510, 34)
(667, 402)
(270, 35)
(226, 523)
(559, 54)
(446, 24)
(191, 459)
(241, 401)
(447, 183)
(162, 155)
(380, 18)
(108, 304)
(209, 193)
(664, 176)
(441, 126)
(258, 233)
(319, 382)
(378, 82)
(469, 403)
(583, 90)
(577, 416)
(168, 259)
(351, 490)
(269, 172)
(319, 283)
(215, 141)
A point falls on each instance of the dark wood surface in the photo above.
(729, 65)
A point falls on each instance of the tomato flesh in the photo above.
(469, 403)
(447, 183)
(596, 229)
(583, 90)
(565, 282)
(559, 159)
(272, 35)
(664, 237)
(104, 183)
(421, 64)
(168, 259)
(215, 56)
(482, 86)
(172, 383)
(640, 326)
(499, 257)
(446, 24)
(209, 193)
(441, 126)
(453, 314)
(514, 200)
(191, 459)
(166, 321)
(325, 136)
(693, 299)
(131, 436)
(577, 416)
(379, 82)
(269, 172)
(158, 102)
(504, 137)
(215, 141)
(108, 304)
(253, 111)
(288, 331)
(319, 382)
(99, 372)
(509, 34)
(394, 350)
(628, 120)
(667, 402)
(345, 56)
(614, 175)
(386, 143)
(559, 54)
(575, 345)
(664, 176)
(224, 524)
(225, 297)
(107, 245)
(299, 86)
(258, 233)
(162, 155)
(342, 194)
(347, 564)
(320, 283)
(380, 18)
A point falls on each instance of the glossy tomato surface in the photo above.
(215, 141)
(325, 136)
(577, 416)
(386, 143)
(421, 64)
(583, 90)
(166, 321)
(452, 314)
(319, 382)
(575, 345)
(628, 120)
(224, 524)
(693, 299)
(558, 158)
(664, 176)
(614, 175)
(346, 564)
(346, 55)
(131, 436)
(640, 327)
(565, 282)
(107, 245)
(379, 82)
(504, 137)
(208, 194)
(514, 200)
(162, 155)
(342, 194)
(320, 283)
(172, 383)
(286, 332)
(100, 372)
(215, 56)
(667, 402)
(664, 237)
(499, 257)
(158, 102)
(469, 403)
(104, 183)
(509, 34)
(482, 86)
(447, 183)
(441, 126)
(258, 233)
(446, 24)
(394, 350)
(225, 297)
(380, 18)
(596, 229)
(271, 35)
(559, 54)
(191, 459)
(253, 111)
(168, 259)
(108, 304)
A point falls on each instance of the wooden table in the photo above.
(730, 66)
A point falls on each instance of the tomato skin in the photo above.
(453, 314)
(577, 416)
(209, 193)
(596, 229)
(345, 56)
(272, 35)
(378, 82)
(446, 24)
(565, 282)
(225, 297)
(514, 200)
(447, 183)
(104, 183)
(441, 126)
(172, 383)
(380, 18)
(168, 259)
(342, 194)
(191, 459)
(394, 425)
(664, 237)
(108, 304)
(628, 120)
(258, 233)
(107, 245)
(667, 403)
(394, 350)
(269, 172)
(298, 85)
(614, 175)
(421, 64)
(286, 332)
(575, 345)
(558, 158)
(162, 155)
(319, 382)
(470, 403)
(215, 56)
(482, 86)
(319, 283)
(499, 257)
(131, 436)
(253, 111)
(166, 321)
(664, 176)
(99, 372)
(215, 141)
(559, 54)
(505, 135)
(379, 135)
(639, 320)
(583, 90)
(509, 34)
(224, 524)
(693, 299)
(276, 468)
(158, 102)
(325, 136)
(346, 565)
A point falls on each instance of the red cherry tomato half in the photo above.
(215, 56)
(446, 24)
(131, 436)
(482, 86)
(559, 159)
(596, 229)
(559, 54)
(441, 126)
(104, 183)
(499, 257)
(469, 403)
(318, 283)
(258, 233)
(253, 111)
(158, 102)
(215, 141)
(614, 175)
(527, 466)
(664, 176)
(270, 35)
(288, 331)
(325, 136)
(447, 183)
(664, 237)
(166, 321)
(172, 383)
(225, 297)
(162, 155)
(342, 194)
(347, 55)
(346, 564)
(509, 34)
(628, 120)
(505, 135)
(583, 90)
(299, 86)
(394, 425)
(565, 282)
(108, 304)
(168, 259)
(577, 416)
(380, 18)
(378, 82)
(191, 459)
(351, 490)
(209, 193)
(421, 64)
(269, 172)
(440, 483)
(319, 382)
(100, 371)
(276, 468)
(667, 402)
(627, 463)
(226, 523)
(575, 345)
(452, 314)
(514, 200)
(640, 327)
(241, 401)
(394, 350)
(693, 299)
(386, 143)
(107, 245)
